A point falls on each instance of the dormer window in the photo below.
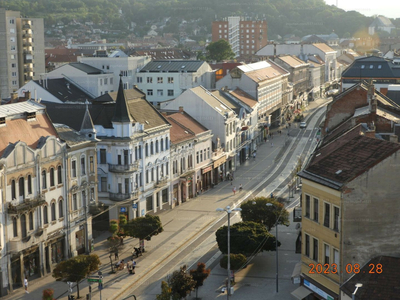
(362, 66)
(3, 120)
(31, 115)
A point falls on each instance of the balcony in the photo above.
(27, 35)
(123, 196)
(27, 51)
(28, 69)
(160, 183)
(28, 44)
(123, 168)
(27, 205)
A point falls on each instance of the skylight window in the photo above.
(371, 66)
(158, 67)
(379, 66)
(362, 66)
(338, 172)
(183, 67)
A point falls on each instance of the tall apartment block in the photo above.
(21, 50)
(246, 37)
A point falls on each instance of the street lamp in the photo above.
(358, 285)
(228, 210)
(276, 246)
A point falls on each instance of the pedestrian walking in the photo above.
(265, 139)
(254, 156)
(240, 188)
(26, 284)
(231, 179)
(116, 255)
(234, 190)
(272, 144)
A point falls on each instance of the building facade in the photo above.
(245, 36)
(21, 50)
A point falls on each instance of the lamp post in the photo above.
(228, 210)
(276, 246)
(358, 285)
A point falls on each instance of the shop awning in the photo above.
(301, 292)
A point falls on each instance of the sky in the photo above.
(388, 8)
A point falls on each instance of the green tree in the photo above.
(256, 210)
(76, 268)
(181, 283)
(246, 238)
(143, 228)
(199, 275)
(166, 293)
(237, 261)
(219, 51)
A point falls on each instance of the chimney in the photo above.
(181, 109)
(374, 104)
(28, 95)
(394, 138)
(371, 91)
(14, 97)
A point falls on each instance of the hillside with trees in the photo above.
(299, 17)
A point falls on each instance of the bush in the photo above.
(113, 226)
(48, 294)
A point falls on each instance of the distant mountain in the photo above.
(299, 17)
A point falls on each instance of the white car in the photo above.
(303, 124)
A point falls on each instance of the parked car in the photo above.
(303, 124)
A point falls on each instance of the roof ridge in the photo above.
(180, 125)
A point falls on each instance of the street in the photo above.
(189, 232)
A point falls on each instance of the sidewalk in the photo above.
(181, 225)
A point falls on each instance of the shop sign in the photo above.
(123, 209)
(219, 161)
(317, 290)
(205, 170)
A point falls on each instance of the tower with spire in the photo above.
(87, 127)
(122, 120)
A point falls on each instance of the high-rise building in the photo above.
(21, 50)
(246, 37)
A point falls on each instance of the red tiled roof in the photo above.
(184, 127)
(28, 132)
(349, 156)
(244, 97)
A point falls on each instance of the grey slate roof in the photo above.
(65, 91)
(172, 66)
(361, 67)
(87, 123)
(70, 136)
(121, 110)
(86, 68)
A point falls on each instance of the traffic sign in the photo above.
(94, 280)
(134, 205)
(123, 209)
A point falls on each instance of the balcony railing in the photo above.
(123, 196)
(26, 205)
(123, 168)
(161, 182)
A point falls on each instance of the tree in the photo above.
(76, 268)
(199, 275)
(219, 51)
(256, 210)
(246, 238)
(237, 261)
(143, 227)
(181, 282)
(166, 293)
(48, 294)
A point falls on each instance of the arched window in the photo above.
(45, 216)
(13, 192)
(151, 148)
(15, 227)
(146, 149)
(157, 146)
(53, 211)
(44, 181)
(23, 225)
(59, 175)
(31, 220)
(166, 144)
(29, 184)
(162, 144)
(60, 209)
(52, 183)
(21, 186)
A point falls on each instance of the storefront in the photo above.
(16, 277)
(32, 263)
(206, 177)
(219, 171)
(175, 190)
(80, 240)
(311, 290)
